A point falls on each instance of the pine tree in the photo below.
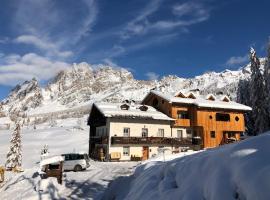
(258, 95)
(14, 156)
(243, 96)
(267, 76)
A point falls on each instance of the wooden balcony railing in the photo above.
(153, 141)
(99, 140)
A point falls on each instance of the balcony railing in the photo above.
(153, 141)
(99, 140)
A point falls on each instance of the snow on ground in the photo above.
(88, 184)
(239, 171)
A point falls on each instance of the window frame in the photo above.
(126, 150)
(161, 132)
(181, 133)
(128, 133)
(213, 134)
(182, 114)
(143, 132)
(223, 117)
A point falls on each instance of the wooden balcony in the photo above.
(182, 122)
(153, 141)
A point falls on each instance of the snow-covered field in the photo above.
(88, 184)
(238, 171)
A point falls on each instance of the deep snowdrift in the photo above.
(237, 171)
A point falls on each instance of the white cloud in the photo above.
(89, 21)
(186, 14)
(47, 26)
(152, 76)
(50, 48)
(111, 63)
(190, 8)
(237, 60)
(138, 25)
(16, 68)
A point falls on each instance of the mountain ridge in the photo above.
(83, 84)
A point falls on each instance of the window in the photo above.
(160, 132)
(126, 132)
(182, 114)
(222, 117)
(124, 107)
(189, 133)
(144, 132)
(237, 118)
(125, 151)
(180, 134)
(213, 134)
(210, 117)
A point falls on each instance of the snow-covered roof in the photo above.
(134, 111)
(51, 160)
(202, 102)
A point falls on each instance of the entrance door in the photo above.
(145, 153)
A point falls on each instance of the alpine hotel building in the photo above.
(172, 121)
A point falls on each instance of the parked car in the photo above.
(75, 161)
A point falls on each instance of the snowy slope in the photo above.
(237, 171)
(88, 184)
(81, 85)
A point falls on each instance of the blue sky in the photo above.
(152, 38)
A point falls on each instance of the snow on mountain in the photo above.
(82, 84)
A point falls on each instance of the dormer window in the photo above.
(225, 98)
(126, 101)
(124, 107)
(180, 94)
(211, 97)
(191, 96)
(143, 108)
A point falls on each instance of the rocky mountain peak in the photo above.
(82, 84)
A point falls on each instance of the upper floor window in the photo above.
(181, 114)
(223, 117)
(160, 132)
(144, 132)
(126, 132)
(213, 134)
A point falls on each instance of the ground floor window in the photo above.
(180, 134)
(189, 133)
(160, 132)
(126, 151)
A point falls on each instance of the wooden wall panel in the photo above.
(180, 122)
(163, 105)
(203, 118)
(200, 120)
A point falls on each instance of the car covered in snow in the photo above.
(75, 161)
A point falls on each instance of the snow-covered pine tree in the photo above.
(243, 96)
(14, 156)
(258, 95)
(267, 76)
